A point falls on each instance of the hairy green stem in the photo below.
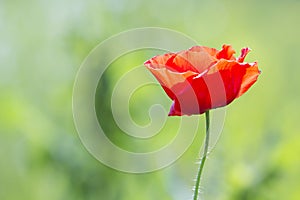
(202, 161)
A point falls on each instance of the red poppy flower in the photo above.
(203, 78)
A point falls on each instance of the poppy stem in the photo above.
(202, 161)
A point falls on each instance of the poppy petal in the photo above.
(244, 53)
(249, 78)
(226, 52)
(172, 82)
(237, 77)
(159, 61)
(197, 59)
(194, 99)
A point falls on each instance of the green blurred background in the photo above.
(42, 46)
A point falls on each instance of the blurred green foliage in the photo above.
(42, 46)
